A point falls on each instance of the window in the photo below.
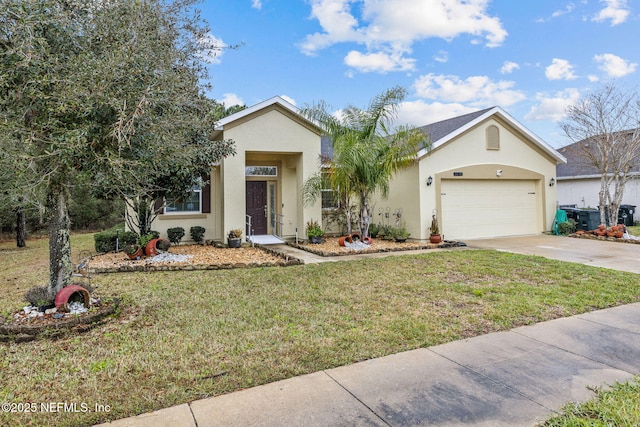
(192, 203)
(261, 171)
(330, 197)
(493, 138)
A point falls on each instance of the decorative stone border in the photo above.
(443, 245)
(24, 332)
(608, 239)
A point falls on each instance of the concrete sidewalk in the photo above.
(513, 378)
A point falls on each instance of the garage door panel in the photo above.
(476, 209)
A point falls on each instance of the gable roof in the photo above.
(438, 130)
(446, 130)
(577, 166)
(274, 101)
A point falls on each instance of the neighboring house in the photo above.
(277, 150)
(579, 182)
(486, 175)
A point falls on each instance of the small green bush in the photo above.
(567, 227)
(105, 241)
(197, 233)
(175, 234)
(38, 296)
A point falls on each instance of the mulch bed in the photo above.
(330, 246)
(608, 239)
(47, 326)
(202, 257)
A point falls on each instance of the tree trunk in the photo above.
(60, 268)
(364, 216)
(602, 200)
(21, 228)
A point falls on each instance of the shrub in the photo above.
(374, 229)
(314, 229)
(236, 233)
(197, 233)
(567, 227)
(175, 234)
(105, 241)
(38, 296)
(146, 239)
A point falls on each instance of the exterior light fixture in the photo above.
(552, 182)
(429, 181)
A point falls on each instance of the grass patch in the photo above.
(619, 406)
(186, 335)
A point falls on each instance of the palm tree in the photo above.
(367, 151)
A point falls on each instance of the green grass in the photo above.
(635, 230)
(186, 335)
(619, 407)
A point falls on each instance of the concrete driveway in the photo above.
(614, 255)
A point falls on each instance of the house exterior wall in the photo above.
(285, 139)
(518, 158)
(583, 192)
(272, 136)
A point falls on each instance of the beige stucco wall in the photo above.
(518, 158)
(287, 140)
(584, 193)
(273, 136)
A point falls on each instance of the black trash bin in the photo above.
(625, 214)
(572, 213)
(588, 219)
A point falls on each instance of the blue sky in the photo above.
(531, 57)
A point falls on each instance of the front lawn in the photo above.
(186, 335)
(619, 406)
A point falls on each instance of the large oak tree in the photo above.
(107, 89)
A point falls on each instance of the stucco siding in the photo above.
(584, 193)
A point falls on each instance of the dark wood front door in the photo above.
(257, 206)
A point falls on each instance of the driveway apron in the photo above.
(599, 253)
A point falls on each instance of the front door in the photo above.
(257, 206)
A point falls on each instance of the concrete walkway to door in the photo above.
(599, 253)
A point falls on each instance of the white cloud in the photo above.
(212, 49)
(478, 91)
(592, 78)
(380, 62)
(256, 4)
(552, 106)
(616, 10)
(392, 26)
(570, 7)
(229, 99)
(508, 67)
(442, 56)
(560, 69)
(561, 12)
(420, 113)
(614, 66)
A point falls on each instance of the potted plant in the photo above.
(400, 234)
(133, 251)
(314, 231)
(235, 238)
(434, 230)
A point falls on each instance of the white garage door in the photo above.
(477, 209)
